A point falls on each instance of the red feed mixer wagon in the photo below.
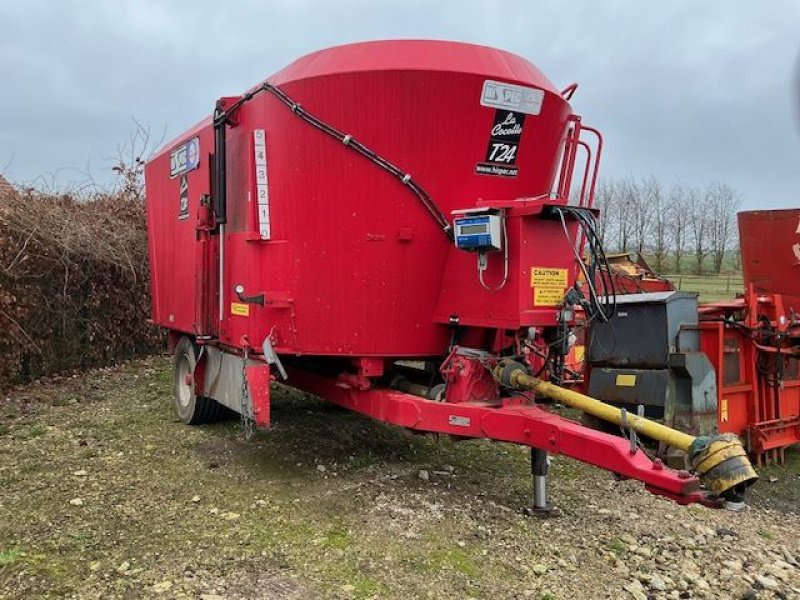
(387, 225)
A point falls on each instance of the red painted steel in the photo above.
(753, 344)
(351, 265)
(514, 422)
(355, 264)
(770, 246)
(258, 384)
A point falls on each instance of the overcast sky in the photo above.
(688, 90)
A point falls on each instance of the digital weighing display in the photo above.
(478, 233)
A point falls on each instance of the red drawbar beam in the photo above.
(527, 425)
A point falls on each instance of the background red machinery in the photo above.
(386, 224)
(754, 341)
(728, 367)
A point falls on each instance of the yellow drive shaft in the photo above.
(720, 460)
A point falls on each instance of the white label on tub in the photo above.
(512, 97)
(262, 184)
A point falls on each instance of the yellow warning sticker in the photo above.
(543, 276)
(626, 380)
(240, 309)
(723, 411)
(548, 296)
(580, 352)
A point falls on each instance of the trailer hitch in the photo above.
(720, 460)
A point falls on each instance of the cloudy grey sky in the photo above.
(687, 90)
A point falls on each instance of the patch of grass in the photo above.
(710, 287)
(31, 431)
(10, 556)
(766, 534)
(338, 537)
(457, 559)
(617, 546)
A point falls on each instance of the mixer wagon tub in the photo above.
(387, 225)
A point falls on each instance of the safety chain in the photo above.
(246, 404)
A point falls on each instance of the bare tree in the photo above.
(678, 213)
(605, 199)
(656, 206)
(721, 205)
(641, 212)
(699, 228)
(626, 199)
(131, 158)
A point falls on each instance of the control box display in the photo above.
(478, 232)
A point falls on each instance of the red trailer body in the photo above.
(318, 220)
(353, 265)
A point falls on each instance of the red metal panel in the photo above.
(355, 264)
(258, 381)
(175, 264)
(770, 246)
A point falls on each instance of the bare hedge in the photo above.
(73, 283)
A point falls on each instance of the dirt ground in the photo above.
(103, 494)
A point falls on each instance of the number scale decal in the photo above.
(262, 188)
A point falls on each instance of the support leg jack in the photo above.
(540, 467)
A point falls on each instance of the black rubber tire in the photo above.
(191, 408)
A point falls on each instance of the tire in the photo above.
(190, 408)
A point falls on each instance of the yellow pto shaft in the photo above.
(720, 461)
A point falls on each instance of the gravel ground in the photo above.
(103, 494)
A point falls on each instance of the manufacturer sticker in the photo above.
(240, 309)
(184, 158)
(183, 205)
(508, 96)
(501, 153)
(458, 421)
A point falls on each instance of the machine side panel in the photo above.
(174, 189)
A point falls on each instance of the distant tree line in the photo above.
(678, 227)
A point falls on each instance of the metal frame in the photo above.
(511, 420)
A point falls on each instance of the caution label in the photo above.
(548, 285)
(548, 296)
(240, 309)
(543, 276)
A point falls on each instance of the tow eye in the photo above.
(720, 460)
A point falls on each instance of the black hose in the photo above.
(350, 142)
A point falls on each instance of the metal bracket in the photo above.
(627, 430)
(271, 358)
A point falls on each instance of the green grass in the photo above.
(617, 546)
(712, 288)
(10, 556)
